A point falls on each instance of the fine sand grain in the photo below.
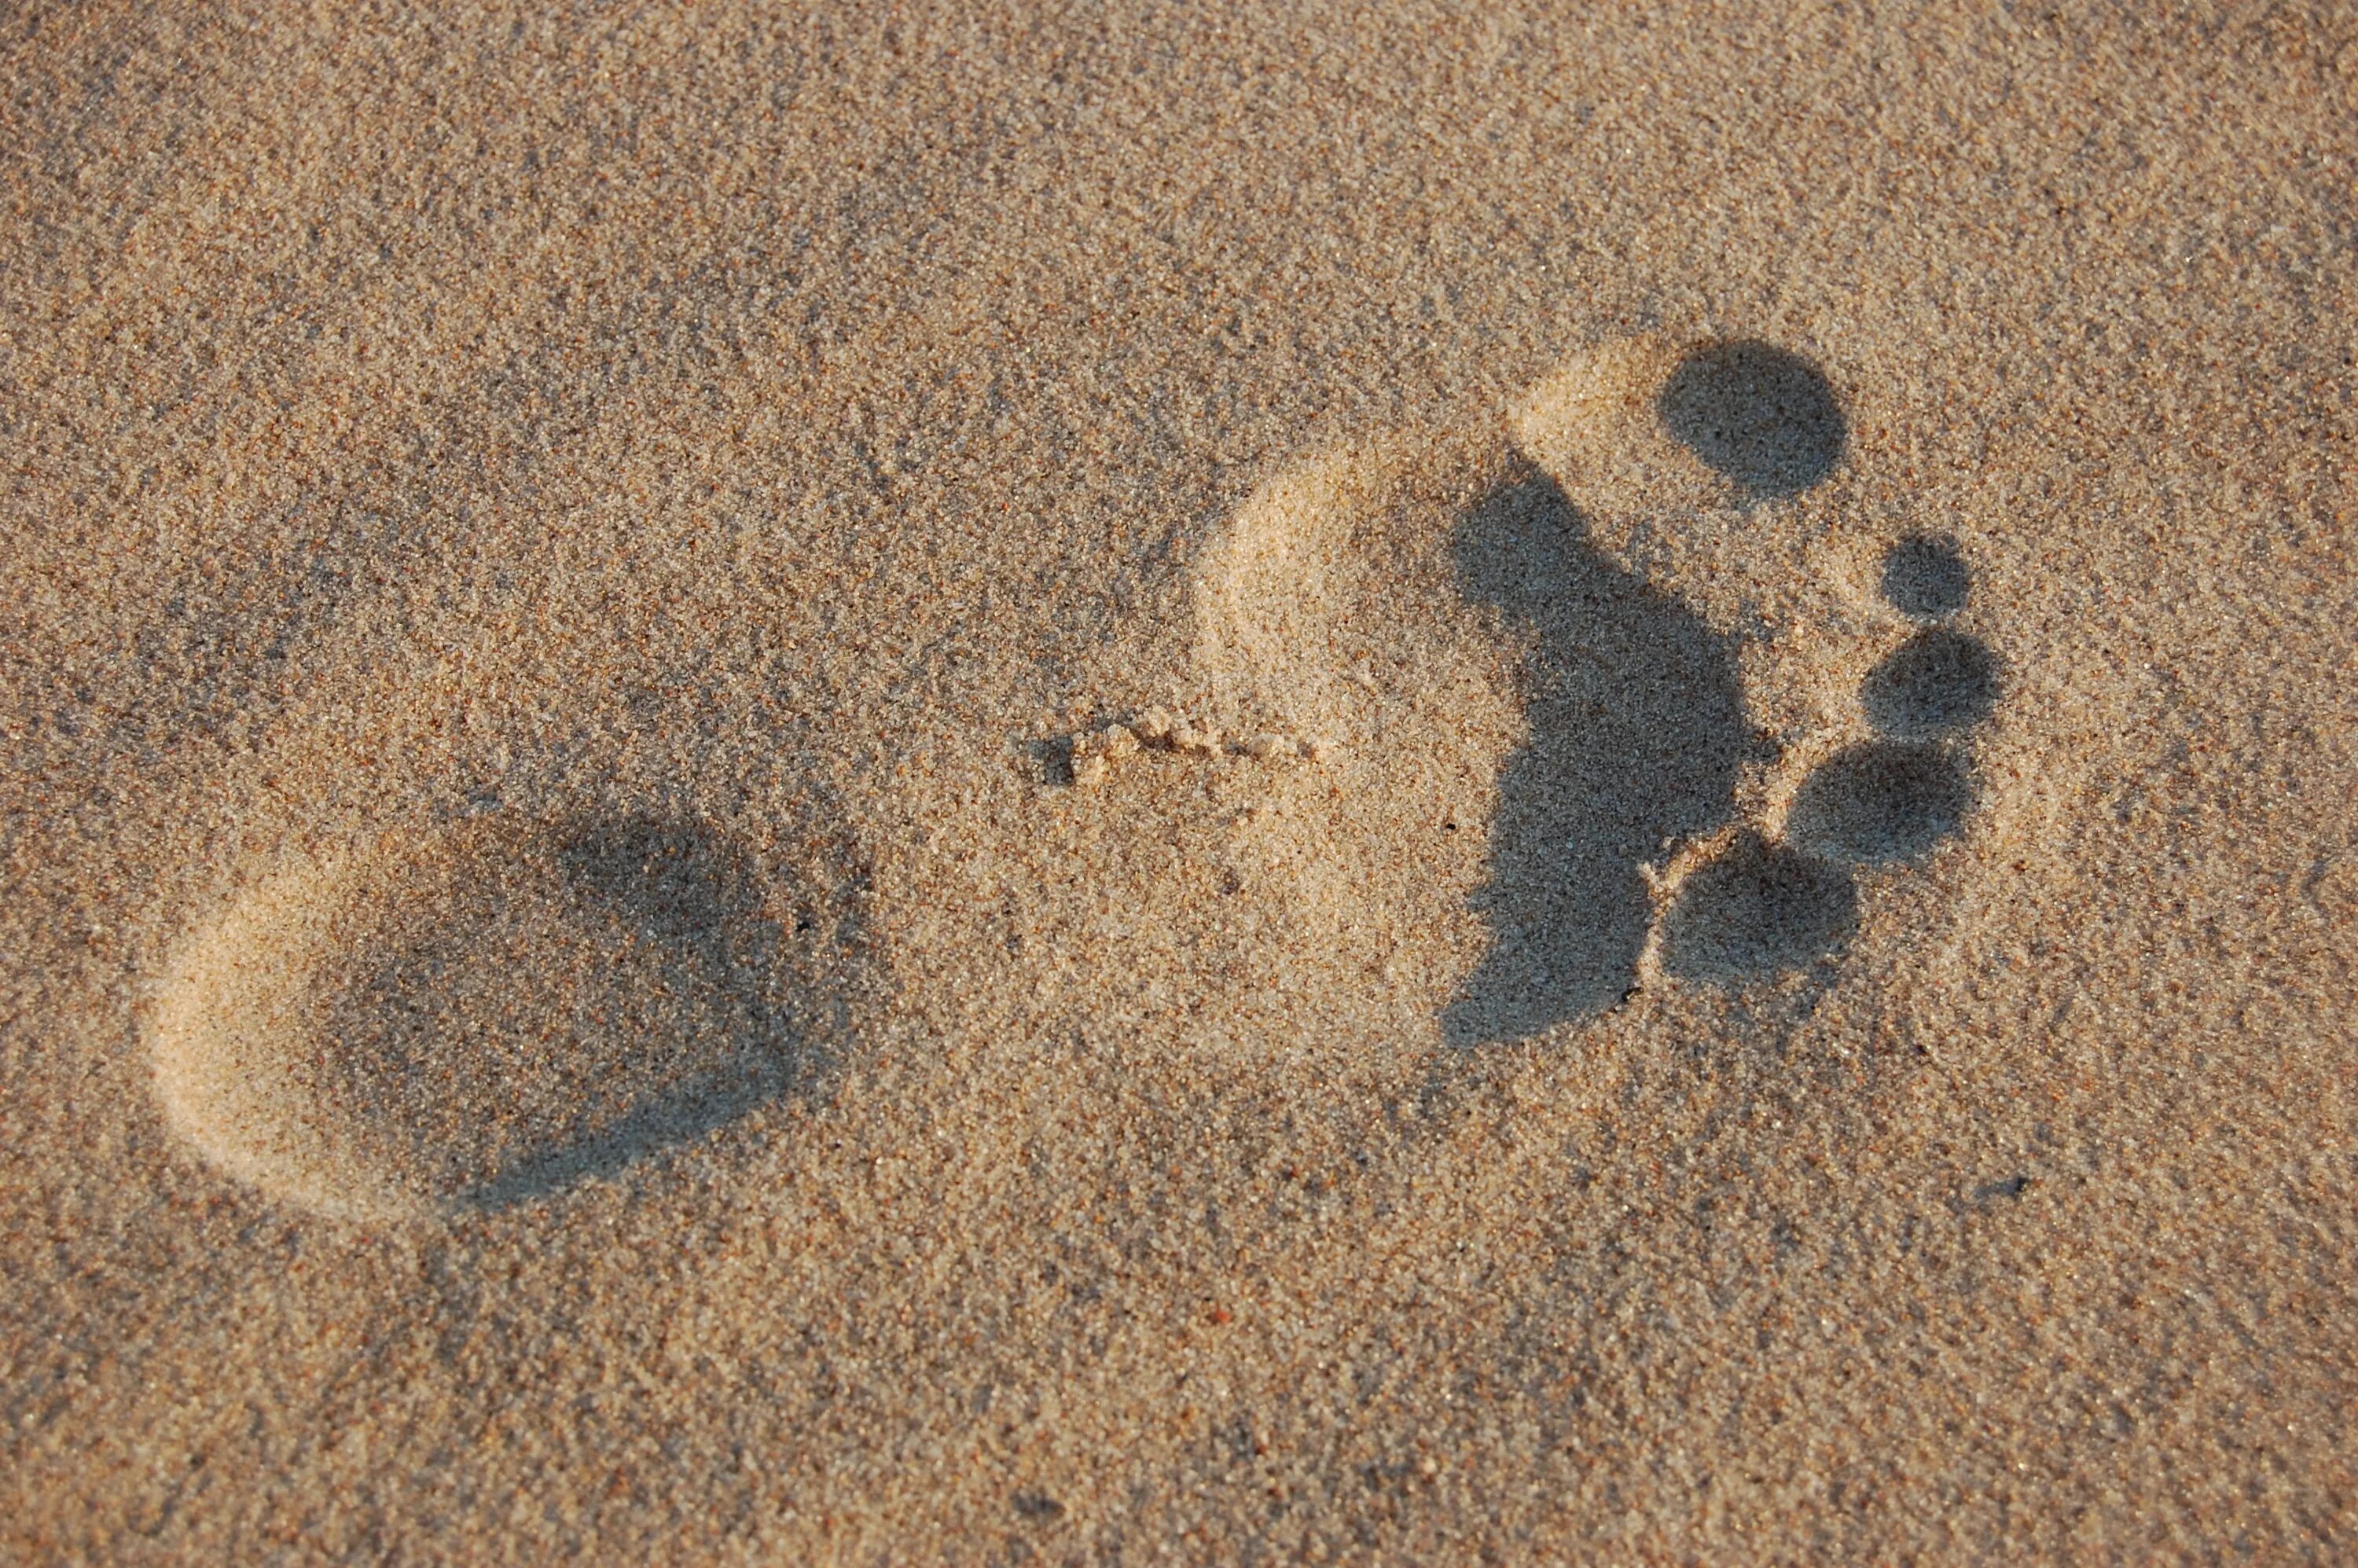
(879, 785)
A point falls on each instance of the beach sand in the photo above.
(1315, 783)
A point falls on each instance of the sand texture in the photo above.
(1228, 784)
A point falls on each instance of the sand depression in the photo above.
(467, 1015)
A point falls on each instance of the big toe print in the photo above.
(1759, 415)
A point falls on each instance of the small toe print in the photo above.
(1758, 909)
(1925, 578)
(1935, 684)
(1881, 803)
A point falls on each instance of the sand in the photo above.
(1369, 784)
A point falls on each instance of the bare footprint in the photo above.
(1550, 789)
(477, 1004)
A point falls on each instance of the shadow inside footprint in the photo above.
(567, 1001)
(1637, 733)
(1935, 684)
(460, 1016)
(1755, 908)
(1762, 415)
(1881, 803)
(1925, 578)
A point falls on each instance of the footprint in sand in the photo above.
(1547, 787)
(472, 1007)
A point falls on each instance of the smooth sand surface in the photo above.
(1230, 785)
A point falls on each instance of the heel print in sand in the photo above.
(447, 1005)
(1547, 784)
